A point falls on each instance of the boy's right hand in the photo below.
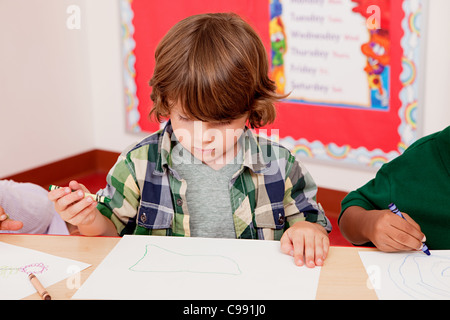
(390, 233)
(72, 206)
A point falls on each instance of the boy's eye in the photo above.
(221, 123)
(181, 118)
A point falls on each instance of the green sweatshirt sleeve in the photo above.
(374, 195)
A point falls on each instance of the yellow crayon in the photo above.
(96, 197)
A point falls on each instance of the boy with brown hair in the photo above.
(206, 174)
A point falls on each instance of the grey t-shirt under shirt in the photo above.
(207, 194)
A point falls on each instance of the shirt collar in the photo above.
(253, 152)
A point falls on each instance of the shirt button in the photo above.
(280, 219)
(179, 202)
(143, 218)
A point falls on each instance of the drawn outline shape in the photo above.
(210, 264)
(415, 284)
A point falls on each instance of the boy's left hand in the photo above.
(307, 242)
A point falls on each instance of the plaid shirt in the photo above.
(270, 192)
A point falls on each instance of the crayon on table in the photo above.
(395, 210)
(39, 287)
(96, 197)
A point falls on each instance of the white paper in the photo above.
(408, 276)
(17, 262)
(151, 267)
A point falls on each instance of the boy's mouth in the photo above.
(203, 151)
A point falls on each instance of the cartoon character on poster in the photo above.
(377, 49)
(278, 45)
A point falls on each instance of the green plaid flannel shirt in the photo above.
(270, 192)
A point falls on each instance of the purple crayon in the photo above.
(395, 210)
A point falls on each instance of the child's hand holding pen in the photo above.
(78, 207)
(391, 233)
(395, 210)
(72, 204)
(8, 224)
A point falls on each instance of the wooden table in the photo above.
(342, 277)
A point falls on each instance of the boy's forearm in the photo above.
(101, 226)
(355, 225)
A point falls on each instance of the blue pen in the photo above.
(395, 210)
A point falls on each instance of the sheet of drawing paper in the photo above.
(152, 267)
(412, 275)
(17, 262)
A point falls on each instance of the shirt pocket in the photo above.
(270, 216)
(154, 216)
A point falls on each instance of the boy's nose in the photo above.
(205, 132)
(210, 134)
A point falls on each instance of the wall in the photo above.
(87, 109)
(437, 64)
(104, 38)
(45, 106)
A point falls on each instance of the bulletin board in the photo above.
(350, 67)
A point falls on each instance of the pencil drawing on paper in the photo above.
(159, 259)
(422, 277)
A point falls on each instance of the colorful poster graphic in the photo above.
(317, 44)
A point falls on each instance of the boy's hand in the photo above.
(390, 233)
(7, 224)
(307, 242)
(72, 206)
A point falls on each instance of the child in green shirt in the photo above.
(418, 182)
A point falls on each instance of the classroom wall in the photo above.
(68, 83)
(437, 68)
(45, 90)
